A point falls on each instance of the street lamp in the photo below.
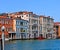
(2, 38)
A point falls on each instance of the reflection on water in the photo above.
(32, 45)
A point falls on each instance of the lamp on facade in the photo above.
(2, 38)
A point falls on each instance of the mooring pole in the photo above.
(2, 38)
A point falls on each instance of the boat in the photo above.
(41, 38)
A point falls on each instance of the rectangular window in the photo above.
(21, 23)
(6, 29)
(40, 28)
(6, 22)
(2, 21)
(35, 21)
(18, 30)
(25, 24)
(17, 23)
(10, 29)
(22, 30)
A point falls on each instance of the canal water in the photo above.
(32, 45)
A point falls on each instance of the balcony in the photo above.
(34, 29)
(35, 25)
(23, 31)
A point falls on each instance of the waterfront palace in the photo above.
(25, 25)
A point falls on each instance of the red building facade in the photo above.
(8, 24)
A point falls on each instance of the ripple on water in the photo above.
(33, 45)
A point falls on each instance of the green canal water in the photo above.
(32, 45)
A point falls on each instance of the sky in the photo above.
(40, 7)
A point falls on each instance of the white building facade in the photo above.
(47, 26)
